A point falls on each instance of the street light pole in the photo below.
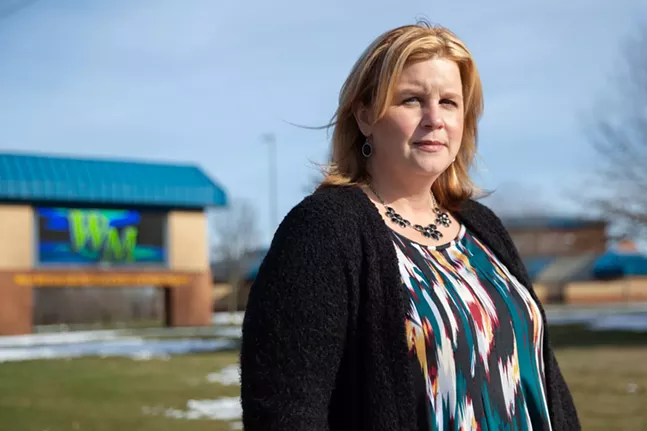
(270, 139)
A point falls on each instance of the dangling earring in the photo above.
(367, 148)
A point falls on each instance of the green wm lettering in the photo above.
(91, 230)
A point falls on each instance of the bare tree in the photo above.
(236, 237)
(618, 134)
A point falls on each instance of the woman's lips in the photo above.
(430, 146)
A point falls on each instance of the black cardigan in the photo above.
(324, 345)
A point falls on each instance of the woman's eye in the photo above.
(411, 100)
(448, 101)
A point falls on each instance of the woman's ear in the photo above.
(364, 119)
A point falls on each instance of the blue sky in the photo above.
(201, 81)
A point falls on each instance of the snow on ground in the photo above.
(224, 318)
(139, 344)
(222, 409)
(635, 322)
(620, 321)
(228, 376)
(136, 348)
(52, 338)
(58, 338)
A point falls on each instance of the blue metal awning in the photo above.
(612, 264)
(37, 178)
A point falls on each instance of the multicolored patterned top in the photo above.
(476, 334)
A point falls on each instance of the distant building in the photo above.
(537, 237)
(564, 255)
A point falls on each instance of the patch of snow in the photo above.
(137, 348)
(223, 409)
(50, 338)
(629, 322)
(147, 356)
(58, 338)
(224, 318)
(228, 376)
(573, 318)
(231, 332)
(622, 320)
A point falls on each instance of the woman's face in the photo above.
(422, 130)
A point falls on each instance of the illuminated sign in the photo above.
(108, 279)
(100, 237)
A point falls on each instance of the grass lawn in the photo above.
(609, 386)
(109, 394)
(607, 373)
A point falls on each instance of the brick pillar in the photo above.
(191, 305)
(15, 306)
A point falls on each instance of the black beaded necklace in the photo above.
(429, 231)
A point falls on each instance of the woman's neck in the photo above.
(410, 198)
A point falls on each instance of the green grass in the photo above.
(599, 379)
(607, 374)
(110, 394)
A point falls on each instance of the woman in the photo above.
(389, 298)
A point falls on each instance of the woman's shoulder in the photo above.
(480, 216)
(344, 196)
(329, 212)
(329, 205)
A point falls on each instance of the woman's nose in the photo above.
(432, 117)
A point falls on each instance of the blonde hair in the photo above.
(371, 83)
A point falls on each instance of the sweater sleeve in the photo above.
(295, 325)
